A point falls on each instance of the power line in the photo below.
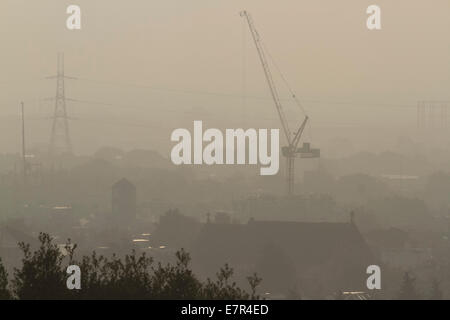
(241, 96)
(338, 101)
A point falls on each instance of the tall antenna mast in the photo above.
(24, 157)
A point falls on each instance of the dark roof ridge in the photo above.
(298, 222)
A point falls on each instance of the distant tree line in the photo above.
(43, 276)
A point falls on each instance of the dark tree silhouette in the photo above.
(104, 278)
(4, 291)
(43, 276)
(223, 289)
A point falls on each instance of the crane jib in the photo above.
(269, 78)
(291, 151)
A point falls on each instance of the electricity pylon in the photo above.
(60, 141)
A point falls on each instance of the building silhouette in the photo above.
(123, 202)
(319, 257)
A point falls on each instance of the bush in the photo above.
(43, 276)
(4, 291)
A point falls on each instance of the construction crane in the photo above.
(291, 151)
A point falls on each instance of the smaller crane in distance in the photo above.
(291, 151)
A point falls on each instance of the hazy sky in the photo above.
(184, 52)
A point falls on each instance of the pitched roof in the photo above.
(310, 246)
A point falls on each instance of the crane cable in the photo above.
(244, 72)
(291, 91)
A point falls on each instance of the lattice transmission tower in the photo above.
(60, 141)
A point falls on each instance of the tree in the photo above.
(408, 288)
(104, 278)
(4, 291)
(223, 289)
(176, 281)
(43, 276)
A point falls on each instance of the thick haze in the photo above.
(373, 208)
(158, 65)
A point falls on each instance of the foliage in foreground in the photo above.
(43, 276)
(4, 292)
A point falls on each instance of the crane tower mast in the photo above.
(291, 151)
